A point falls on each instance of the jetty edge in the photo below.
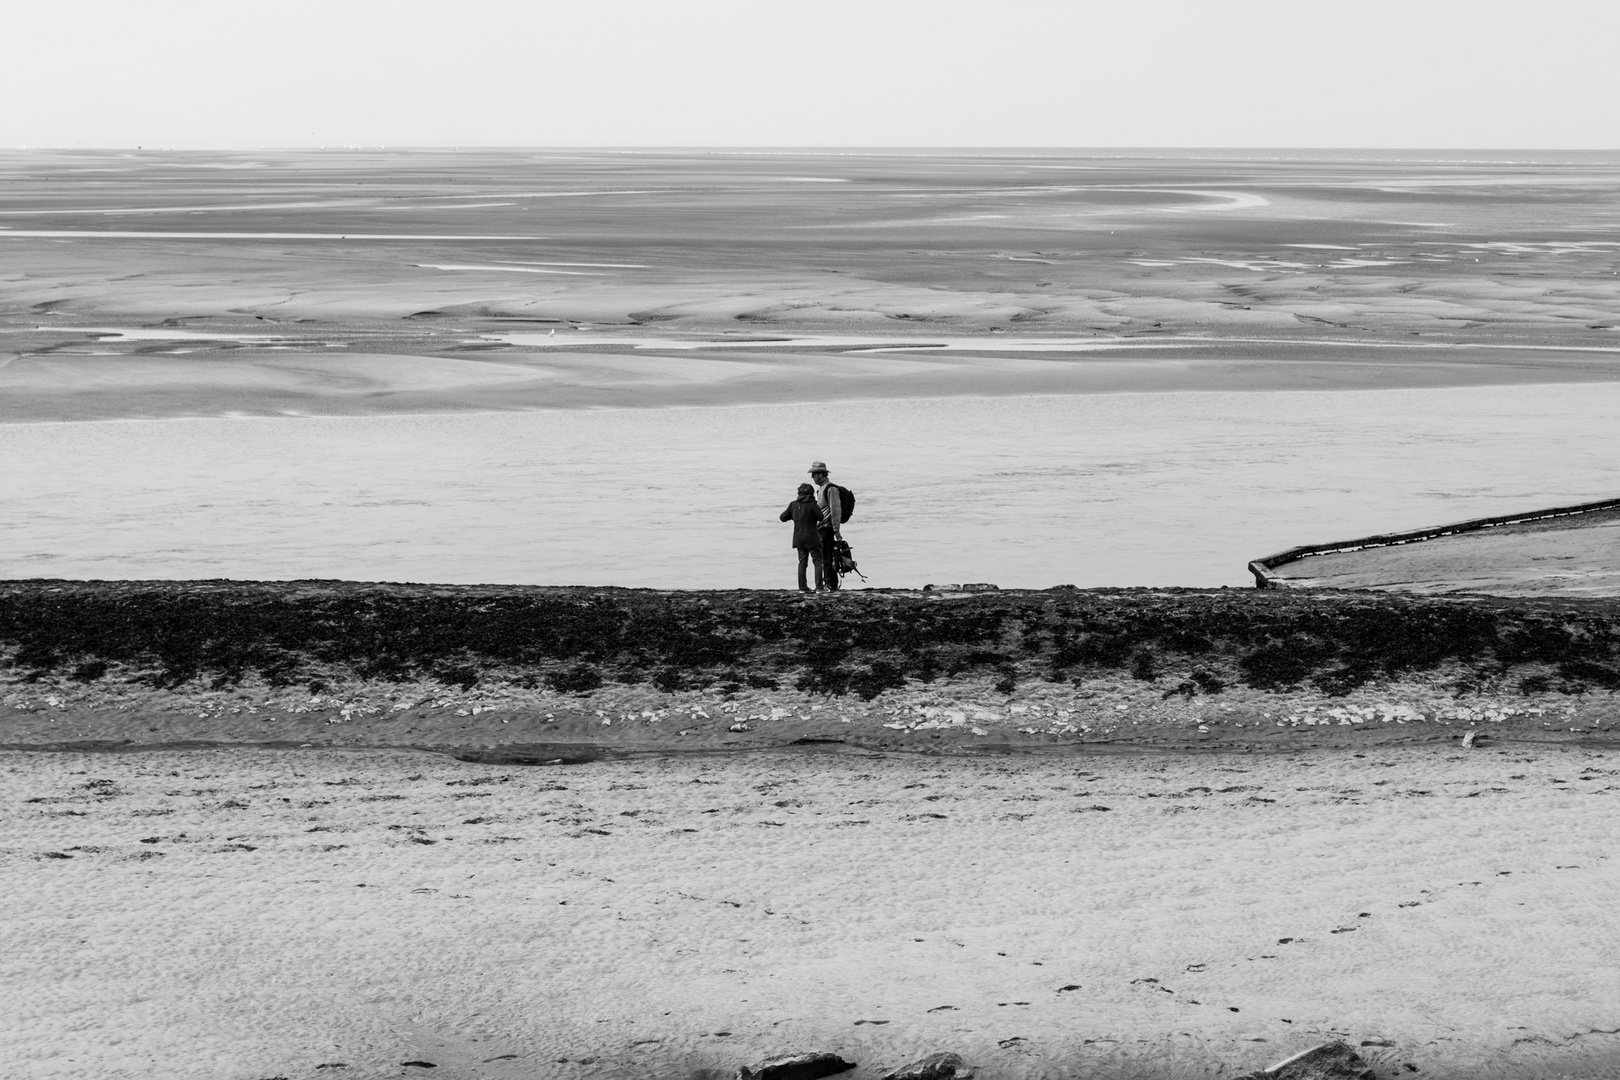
(1265, 577)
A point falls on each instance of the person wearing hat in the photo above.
(830, 503)
(806, 518)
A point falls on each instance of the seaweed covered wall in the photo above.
(574, 640)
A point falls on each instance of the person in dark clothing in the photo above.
(829, 500)
(806, 518)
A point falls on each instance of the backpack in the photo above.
(846, 559)
(846, 503)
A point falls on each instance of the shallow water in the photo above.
(1094, 490)
(855, 343)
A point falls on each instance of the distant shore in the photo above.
(235, 367)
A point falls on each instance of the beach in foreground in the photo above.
(241, 912)
(319, 829)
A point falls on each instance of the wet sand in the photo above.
(1164, 899)
(610, 370)
(1567, 556)
(1243, 350)
(1175, 274)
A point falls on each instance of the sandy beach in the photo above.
(261, 827)
(234, 853)
(302, 913)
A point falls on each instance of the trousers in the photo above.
(829, 555)
(806, 555)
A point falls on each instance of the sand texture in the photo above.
(1569, 556)
(352, 282)
(323, 828)
(293, 828)
(254, 913)
(1130, 369)
(1179, 488)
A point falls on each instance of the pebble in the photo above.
(796, 1067)
(941, 1066)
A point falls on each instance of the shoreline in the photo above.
(314, 829)
(424, 380)
(639, 402)
(1168, 740)
(520, 831)
(1143, 915)
(635, 671)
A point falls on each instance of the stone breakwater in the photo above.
(475, 665)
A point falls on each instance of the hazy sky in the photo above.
(1275, 73)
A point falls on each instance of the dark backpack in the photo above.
(846, 503)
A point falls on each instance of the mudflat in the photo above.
(1128, 834)
(1136, 369)
(353, 282)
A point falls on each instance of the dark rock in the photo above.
(942, 1066)
(796, 1067)
(534, 754)
(1330, 1061)
(576, 639)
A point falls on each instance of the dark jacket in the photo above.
(806, 518)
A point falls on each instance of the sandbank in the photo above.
(153, 373)
(1178, 275)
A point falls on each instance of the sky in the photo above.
(1525, 74)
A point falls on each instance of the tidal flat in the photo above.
(270, 827)
(494, 366)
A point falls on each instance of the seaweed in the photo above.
(166, 634)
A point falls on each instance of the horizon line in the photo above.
(801, 148)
